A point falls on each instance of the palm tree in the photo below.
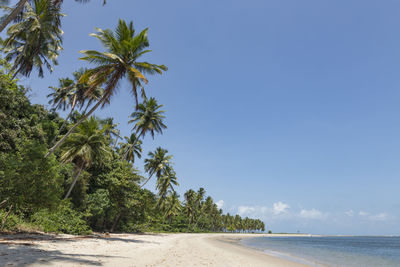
(84, 147)
(60, 97)
(36, 40)
(120, 60)
(110, 129)
(19, 8)
(132, 148)
(190, 206)
(165, 184)
(172, 205)
(156, 163)
(148, 118)
(72, 94)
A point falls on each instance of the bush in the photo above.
(11, 223)
(63, 220)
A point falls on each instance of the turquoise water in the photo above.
(332, 251)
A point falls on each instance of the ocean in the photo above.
(349, 251)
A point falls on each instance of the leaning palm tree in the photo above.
(131, 149)
(148, 118)
(124, 48)
(157, 162)
(84, 147)
(36, 40)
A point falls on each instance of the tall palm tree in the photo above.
(157, 162)
(84, 147)
(36, 40)
(148, 118)
(165, 184)
(120, 60)
(190, 206)
(132, 148)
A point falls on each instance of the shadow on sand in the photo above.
(23, 249)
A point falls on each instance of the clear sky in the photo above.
(284, 110)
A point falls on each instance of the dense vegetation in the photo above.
(77, 174)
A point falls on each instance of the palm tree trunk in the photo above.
(51, 150)
(63, 125)
(12, 15)
(148, 179)
(16, 73)
(116, 220)
(84, 112)
(74, 182)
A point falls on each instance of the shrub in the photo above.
(63, 220)
(12, 222)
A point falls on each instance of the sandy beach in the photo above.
(133, 250)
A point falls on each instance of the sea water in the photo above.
(332, 250)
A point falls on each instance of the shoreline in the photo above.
(179, 249)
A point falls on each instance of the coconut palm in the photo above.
(157, 162)
(165, 184)
(36, 40)
(172, 205)
(190, 205)
(18, 10)
(120, 60)
(148, 118)
(132, 148)
(72, 94)
(110, 129)
(84, 147)
(60, 97)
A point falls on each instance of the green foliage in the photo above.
(12, 222)
(63, 220)
(28, 180)
(36, 40)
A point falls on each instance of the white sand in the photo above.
(133, 250)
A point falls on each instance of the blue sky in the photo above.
(284, 110)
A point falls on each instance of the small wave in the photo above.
(287, 256)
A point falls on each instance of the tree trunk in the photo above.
(74, 182)
(148, 179)
(116, 220)
(62, 126)
(51, 150)
(13, 14)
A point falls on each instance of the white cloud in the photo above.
(379, 217)
(349, 213)
(363, 213)
(220, 204)
(373, 217)
(280, 207)
(252, 210)
(312, 214)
